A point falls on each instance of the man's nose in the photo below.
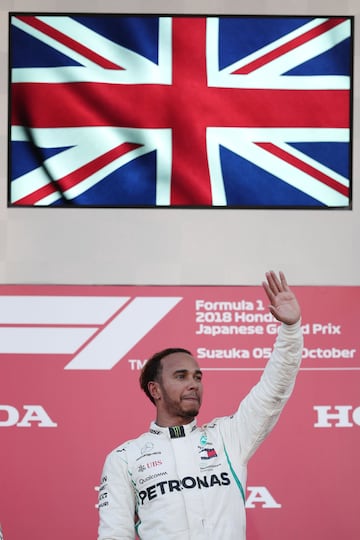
(194, 383)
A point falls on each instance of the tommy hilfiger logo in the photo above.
(208, 453)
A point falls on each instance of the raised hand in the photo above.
(283, 303)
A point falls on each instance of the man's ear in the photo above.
(154, 390)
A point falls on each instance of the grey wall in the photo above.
(124, 246)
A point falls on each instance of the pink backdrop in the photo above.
(70, 359)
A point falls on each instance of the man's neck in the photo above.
(173, 421)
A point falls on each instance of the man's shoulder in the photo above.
(131, 443)
(216, 423)
(131, 451)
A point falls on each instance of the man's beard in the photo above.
(191, 413)
(176, 409)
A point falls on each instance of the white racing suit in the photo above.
(188, 482)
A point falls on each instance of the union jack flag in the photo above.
(186, 111)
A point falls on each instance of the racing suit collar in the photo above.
(173, 432)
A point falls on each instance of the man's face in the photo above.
(179, 389)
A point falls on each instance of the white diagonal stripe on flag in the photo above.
(50, 340)
(123, 333)
(50, 310)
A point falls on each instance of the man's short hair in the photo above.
(153, 367)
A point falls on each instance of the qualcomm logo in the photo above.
(97, 330)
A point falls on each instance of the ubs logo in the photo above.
(150, 465)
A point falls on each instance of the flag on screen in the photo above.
(149, 111)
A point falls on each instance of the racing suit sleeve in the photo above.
(261, 408)
(116, 499)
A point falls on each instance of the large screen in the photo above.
(110, 110)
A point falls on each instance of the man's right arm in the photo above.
(261, 408)
(116, 499)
